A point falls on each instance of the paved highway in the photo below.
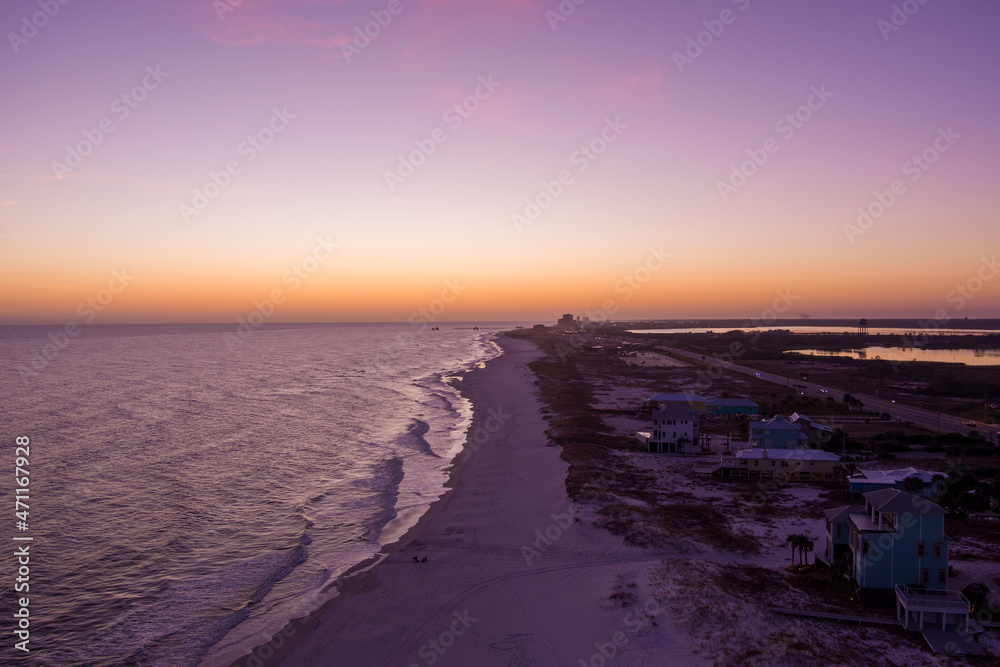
(933, 421)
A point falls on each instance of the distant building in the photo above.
(731, 408)
(675, 430)
(896, 540)
(566, 322)
(777, 433)
(698, 403)
(865, 481)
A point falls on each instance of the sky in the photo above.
(459, 160)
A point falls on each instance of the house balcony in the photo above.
(919, 602)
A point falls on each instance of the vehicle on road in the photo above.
(758, 374)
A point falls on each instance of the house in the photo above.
(895, 540)
(675, 430)
(777, 433)
(695, 401)
(731, 408)
(816, 434)
(793, 465)
(838, 535)
(876, 480)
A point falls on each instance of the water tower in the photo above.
(863, 327)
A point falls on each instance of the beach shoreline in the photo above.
(295, 631)
(511, 573)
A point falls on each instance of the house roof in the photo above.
(679, 398)
(796, 417)
(894, 500)
(733, 402)
(893, 476)
(840, 514)
(776, 423)
(676, 411)
(864, 522)
(787, 454)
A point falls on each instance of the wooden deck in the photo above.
(846, 618)
(951, 641)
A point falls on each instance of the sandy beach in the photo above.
(511, 577)
(650, 566)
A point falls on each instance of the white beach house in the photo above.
(675, 429)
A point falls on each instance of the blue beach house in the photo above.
(777, 433)
(731, 408)
(895, 539)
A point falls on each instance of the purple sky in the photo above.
(334, 141)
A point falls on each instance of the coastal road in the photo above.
(933, 421)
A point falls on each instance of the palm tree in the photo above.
(808, 545)
(795, 542)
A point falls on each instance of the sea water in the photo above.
(191, 491)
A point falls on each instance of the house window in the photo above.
(784, 464)
(925, 575)
(921, 548)
(937, 549)
(942, 576)
(864, 546)
(837, 530)
(812, 463)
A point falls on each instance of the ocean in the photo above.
(191, 491)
